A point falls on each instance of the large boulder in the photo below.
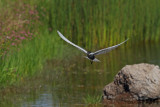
(134, 82)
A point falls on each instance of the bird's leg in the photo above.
(91, 62)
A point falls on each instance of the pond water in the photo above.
(68, 82)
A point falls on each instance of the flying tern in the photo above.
(91, 55)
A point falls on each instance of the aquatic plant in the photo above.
(92, 99)
(18, 44)
(103, 23)
(88, 23)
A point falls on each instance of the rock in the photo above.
(133, 83)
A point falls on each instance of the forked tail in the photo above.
(95, 59)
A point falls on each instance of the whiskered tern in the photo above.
(91, 55)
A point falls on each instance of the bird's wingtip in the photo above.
(59, 32)
(126, 40)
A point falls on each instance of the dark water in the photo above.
(67, 82)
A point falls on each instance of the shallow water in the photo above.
(67, 82)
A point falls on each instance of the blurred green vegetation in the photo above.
(28, 59)
(101, 23)
(88, 23)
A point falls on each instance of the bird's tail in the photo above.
(95, 59)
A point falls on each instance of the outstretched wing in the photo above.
(102, 51)
(71, 42)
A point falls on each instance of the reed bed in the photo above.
(92, 23)
(28, 29)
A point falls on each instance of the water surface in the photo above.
(68, 81)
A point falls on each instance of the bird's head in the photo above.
(89, 53)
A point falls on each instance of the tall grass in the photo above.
(101, 23)
(88, 23)
(29, 58)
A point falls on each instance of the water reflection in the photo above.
(68, 81)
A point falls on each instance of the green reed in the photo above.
(88, 23)
(103, 23)
(28, 58)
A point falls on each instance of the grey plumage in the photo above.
(71, 43)
(106, 50)
(91, 55)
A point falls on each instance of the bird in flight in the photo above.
(91, 55)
